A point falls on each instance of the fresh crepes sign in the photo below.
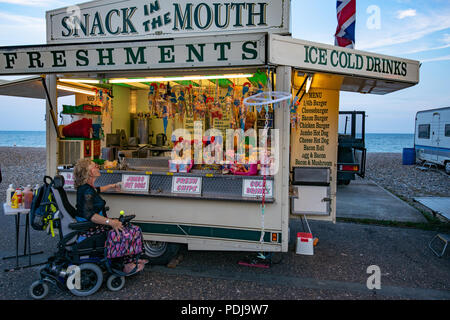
(137, 19)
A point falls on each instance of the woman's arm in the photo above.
(115, 186)
(114, 223)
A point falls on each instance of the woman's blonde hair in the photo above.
(81, 172)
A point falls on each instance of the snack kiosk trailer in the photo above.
(141, 71)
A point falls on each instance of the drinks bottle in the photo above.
(19, 194)
(27, 197)
(9, 194)
(15, 201)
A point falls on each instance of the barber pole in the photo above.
(346, 15)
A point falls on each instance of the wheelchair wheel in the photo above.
(39, 290)
(91, 279)
(115, 283)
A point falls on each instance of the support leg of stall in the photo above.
(52, 134)
(282, 122)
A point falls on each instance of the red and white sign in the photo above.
(135, 183)
(187, 185)
(69, 181)
(255, 188)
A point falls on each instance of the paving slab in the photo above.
(439, 205)
(364, 199)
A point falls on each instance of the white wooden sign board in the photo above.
(255, 188)
(135, 183)
(187, 185)
(218, 51)
(107, 20)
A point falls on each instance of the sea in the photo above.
(375, 142)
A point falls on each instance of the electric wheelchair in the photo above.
(79, 266)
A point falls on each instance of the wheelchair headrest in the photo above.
(58, 182)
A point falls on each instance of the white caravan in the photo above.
(432, 138)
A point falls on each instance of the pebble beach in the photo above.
(408, 182)
(23, 166)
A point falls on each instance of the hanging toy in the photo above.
(243, 111)
(181, 102)
(151, 98)
(165, 116)
(160, 101)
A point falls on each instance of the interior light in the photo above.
(189, 78)
(76, 90)
(308, 83)
(92, 81)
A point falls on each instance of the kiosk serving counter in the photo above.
(165, 81)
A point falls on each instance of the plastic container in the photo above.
(15, 201)
(27, 197)
(409, 156)
(9, 194)
(305, 244)
(19, 194)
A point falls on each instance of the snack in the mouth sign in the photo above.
(187, 185)
(135, 183)
(255, 188)
(106, 20)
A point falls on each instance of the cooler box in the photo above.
(409, 156)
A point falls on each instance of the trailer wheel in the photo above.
(160, 253)
(447, 167)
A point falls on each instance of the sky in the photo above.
(413, 29)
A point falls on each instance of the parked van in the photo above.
(432, 137)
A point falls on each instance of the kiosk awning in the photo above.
(362, 72)
(30, 87)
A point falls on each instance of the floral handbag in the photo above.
(124, 243)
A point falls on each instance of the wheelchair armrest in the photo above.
(126, 219)
(82, 226)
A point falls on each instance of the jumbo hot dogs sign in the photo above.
(138, 19)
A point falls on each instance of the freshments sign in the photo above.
(138, 19)
(248, 49)
(136, 183)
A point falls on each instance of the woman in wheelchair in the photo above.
(91, 207)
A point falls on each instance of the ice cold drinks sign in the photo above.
(135, 183)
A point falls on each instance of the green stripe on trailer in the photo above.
(207, 232)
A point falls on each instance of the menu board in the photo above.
(315, 136)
